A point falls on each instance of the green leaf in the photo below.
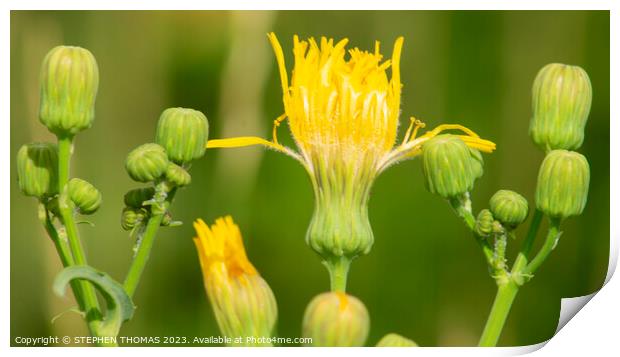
(119, 307)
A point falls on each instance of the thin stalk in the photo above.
(506, 294)
(146, 244)
(90, 303)
(338, 271)
(552, 236)
(63, 252)
(142, 255)
(532, 232)
(470, 221)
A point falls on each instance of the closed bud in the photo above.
(183, 133)
(136, 197)
(130, 217)
(37, 169)
(450, 167)
(509, 207)
(563, 180)
(561, 99)
(336, 319)
(395, 340)
(242, 301)
(147, 163)
(177, 175)
(84, 195)
(484, 223)
(69, 81)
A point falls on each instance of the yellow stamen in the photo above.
(414, 125)
(276, 124)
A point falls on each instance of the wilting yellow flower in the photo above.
(242, 301)
(343, 113)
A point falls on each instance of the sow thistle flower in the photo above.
(343, 114)
(243, 304)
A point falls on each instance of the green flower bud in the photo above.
(84, 195)
(509, 207)
(166, 219)
(561, 99)
(395, 340)
(37, 169)
(336, 319)
(450, 167)
(563, 180)
(147, 163)
(183, 133)
(177, 175)
(69, 81)
(484, 223)
(132, 217)
(136, 197)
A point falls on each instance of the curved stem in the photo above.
(470, 221)
(506, 293)
(552, 236)
(90, 303)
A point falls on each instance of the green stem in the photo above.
(90, 302)
(532, 232)
(63, 252)
(506, 294)
(142, 255)
(550, 241)
(338, 271)
(470, 221)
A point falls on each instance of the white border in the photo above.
(594, 329)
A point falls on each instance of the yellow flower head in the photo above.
(242, 301)
(343, 111)
(342, 107)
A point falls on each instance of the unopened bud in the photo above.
(177, 175)
(509, 207)
(147, 163)
(450, 167)
(243, 303)
(484, 223)
(563, 180)
(336, 319)
(561, 99)
(85, 196)
(37, 168)
(183, 133)
(69, 81)
(131, 217)
(395, 340)
(136, 197)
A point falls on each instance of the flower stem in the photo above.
(90, 303)
(552, 236)
(470, 221)
(521, 260)
(63, 252)
(142, 255)
(338, 272)
(506, 294)
(146, 244)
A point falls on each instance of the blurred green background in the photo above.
(425, 277)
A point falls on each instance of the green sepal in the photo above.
(119, 307)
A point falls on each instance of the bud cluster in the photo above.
(181, 137)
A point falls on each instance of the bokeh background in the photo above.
(425, 277)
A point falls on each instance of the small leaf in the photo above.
(85, 222)
(119, 307)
